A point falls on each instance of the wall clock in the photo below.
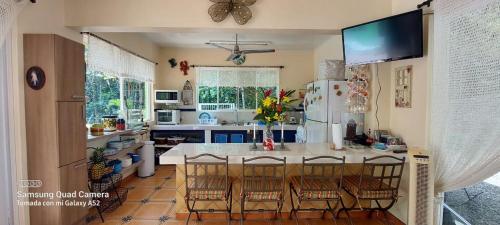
(35, 77)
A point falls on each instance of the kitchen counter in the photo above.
(217, 127)
(293, 156)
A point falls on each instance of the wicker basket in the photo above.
(111, 204)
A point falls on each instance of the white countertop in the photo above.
(294, 156)
(216, 127)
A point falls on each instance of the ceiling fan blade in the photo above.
(231, 57)
(219, 46)
(250, 51)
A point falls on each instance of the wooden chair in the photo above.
(263, 180)
(379, 181)
(207, 179)
(320, 181)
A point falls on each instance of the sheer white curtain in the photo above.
(6, 207)
(465, 113)
(9, 10)
(104, 57)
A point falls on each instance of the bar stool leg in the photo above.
(346, 211)
(242, 210)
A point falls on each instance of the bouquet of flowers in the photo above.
(273, 109)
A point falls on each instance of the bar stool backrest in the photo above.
(322, 168)
(265, 170)
(202, 169)
(383, 171)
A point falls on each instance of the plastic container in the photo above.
(135, 157)
(147, 168)
(117, 165)
(331, 69)
(109, 123)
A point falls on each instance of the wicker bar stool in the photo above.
(378, 181)
(207, 179)
(263, 180)
(320, 181)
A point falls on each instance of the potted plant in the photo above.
(98, 168)
(270, 110)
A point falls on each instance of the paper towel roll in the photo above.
(337, 136)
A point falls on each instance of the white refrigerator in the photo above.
(324, 105)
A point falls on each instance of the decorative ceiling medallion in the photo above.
(238, 8)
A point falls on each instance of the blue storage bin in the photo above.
(117, 165)
(236, 138)
(220, 138)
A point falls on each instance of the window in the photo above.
(110, 95)
(118, 83)
(103, 96)
(230, 88)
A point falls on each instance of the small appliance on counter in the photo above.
(168, 117)
(167, 96)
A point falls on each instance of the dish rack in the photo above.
(206, 121)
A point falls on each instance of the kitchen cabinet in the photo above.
(70, 181)
(69, 65)
(228, 134)
(71, 117)
(55, 125)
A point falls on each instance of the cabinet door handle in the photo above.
(78, 97)
(79, 165)
(83, 115)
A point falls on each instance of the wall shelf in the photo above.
(125, 151)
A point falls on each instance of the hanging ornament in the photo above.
(184, 67)
(357, 97)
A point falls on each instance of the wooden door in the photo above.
(72, 134)
(70, 69)
(74, 178)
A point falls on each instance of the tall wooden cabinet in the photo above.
(55, 125)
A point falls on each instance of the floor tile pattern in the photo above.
(151, 201)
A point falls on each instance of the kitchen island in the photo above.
(235, 152)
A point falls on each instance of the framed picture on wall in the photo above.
(403, 83)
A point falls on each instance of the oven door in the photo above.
(165, 117)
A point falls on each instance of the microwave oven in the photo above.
(167, 96)
(168, 117)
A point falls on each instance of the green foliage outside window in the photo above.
(103, 93)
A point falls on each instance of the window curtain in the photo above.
(8, 14)
(104, 57)
(9, 10)
(465, 104)
(238, 77)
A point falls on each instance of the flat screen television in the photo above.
(388, 39)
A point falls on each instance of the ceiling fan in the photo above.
(238, 56)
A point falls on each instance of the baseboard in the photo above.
(354, 214)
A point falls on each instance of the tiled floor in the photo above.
(151, 201)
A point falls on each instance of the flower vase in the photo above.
(268, 139)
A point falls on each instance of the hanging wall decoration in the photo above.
(402, 96)
(184, 67)
(357, 98)
(238, 8)
(187, 93)
(172, 62)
